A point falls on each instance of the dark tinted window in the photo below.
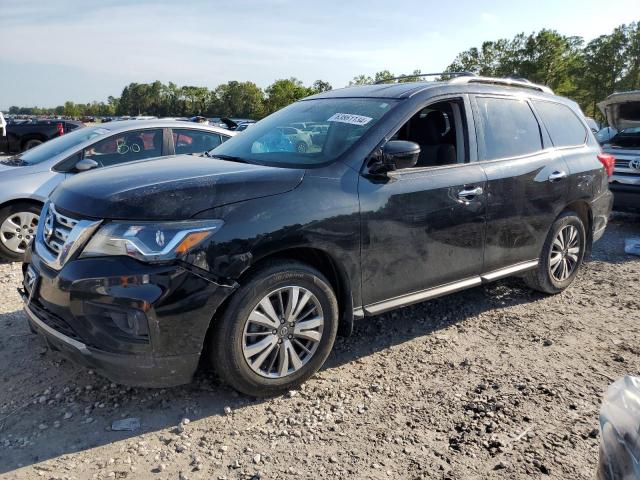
(194, 141)
(510, 128)
(563, 125)
(126, 147)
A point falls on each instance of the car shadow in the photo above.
(34, 429)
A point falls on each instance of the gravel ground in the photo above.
(494, 382)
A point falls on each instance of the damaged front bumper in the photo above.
(136, 324)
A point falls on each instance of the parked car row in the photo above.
(255, 258)
(24, 135)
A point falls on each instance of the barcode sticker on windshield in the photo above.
(349, 118)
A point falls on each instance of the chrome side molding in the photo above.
(508, 271)
(429, 293)
(416, 297)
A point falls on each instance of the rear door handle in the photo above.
(471, 192)
(557, 175)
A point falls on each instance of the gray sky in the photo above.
(57, 50)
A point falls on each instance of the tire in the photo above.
(13, 242)
(231, 352)
(301, 147)
(29, 144)
(559, 262)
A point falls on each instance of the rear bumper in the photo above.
(600, 210)
(626, 197)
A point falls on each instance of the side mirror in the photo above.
(86, 164)
(396, 155)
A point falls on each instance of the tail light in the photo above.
(60, 128)
(608, 162)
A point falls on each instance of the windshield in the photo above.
(630, 131)
(59, 144)
(627, 138)
(306, 133)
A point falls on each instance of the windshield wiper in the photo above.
(229, 158)
(14, 161)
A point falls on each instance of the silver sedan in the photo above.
(26, 180)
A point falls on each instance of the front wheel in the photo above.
(562, 255)
(277, 330)
(29, 144)
(18, 225)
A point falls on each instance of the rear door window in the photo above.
(190, 142)
(510, 128)
(126, 147)
(564, 127)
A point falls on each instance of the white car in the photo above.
(27, 179)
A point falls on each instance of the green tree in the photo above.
(239, 99)
(605, 63)
(361, 80)
(383, 76)
(196, 99)
(71, 109)
(284, 92)
(414, 77)
(320, 86)
(631, 78)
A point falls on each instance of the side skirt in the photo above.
(429, 293)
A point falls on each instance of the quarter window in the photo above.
(188, 142)
(510, 128)
(564, 127)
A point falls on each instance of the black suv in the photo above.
(254, 260)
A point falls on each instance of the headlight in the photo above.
(150, 241)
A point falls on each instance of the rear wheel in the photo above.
(29, 144)
(562, 255)
(277, 330)
(18, 224)
(301, 147)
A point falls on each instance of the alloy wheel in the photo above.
(18, 230)
(565, 252)
(282, 332)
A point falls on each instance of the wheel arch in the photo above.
(32, 136)
(15, 201)
(583, 209)
(326, 264)
(316, 258)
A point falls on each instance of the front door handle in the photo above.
(557, 175)
(468, 193)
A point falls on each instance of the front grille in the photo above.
(60, 237)
(56, 231)
(622, 163)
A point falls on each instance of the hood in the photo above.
(13, 167)
(4, 167)
(622, 110)
(169, 188)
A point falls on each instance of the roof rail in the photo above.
(509, 82)
(402, 77)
